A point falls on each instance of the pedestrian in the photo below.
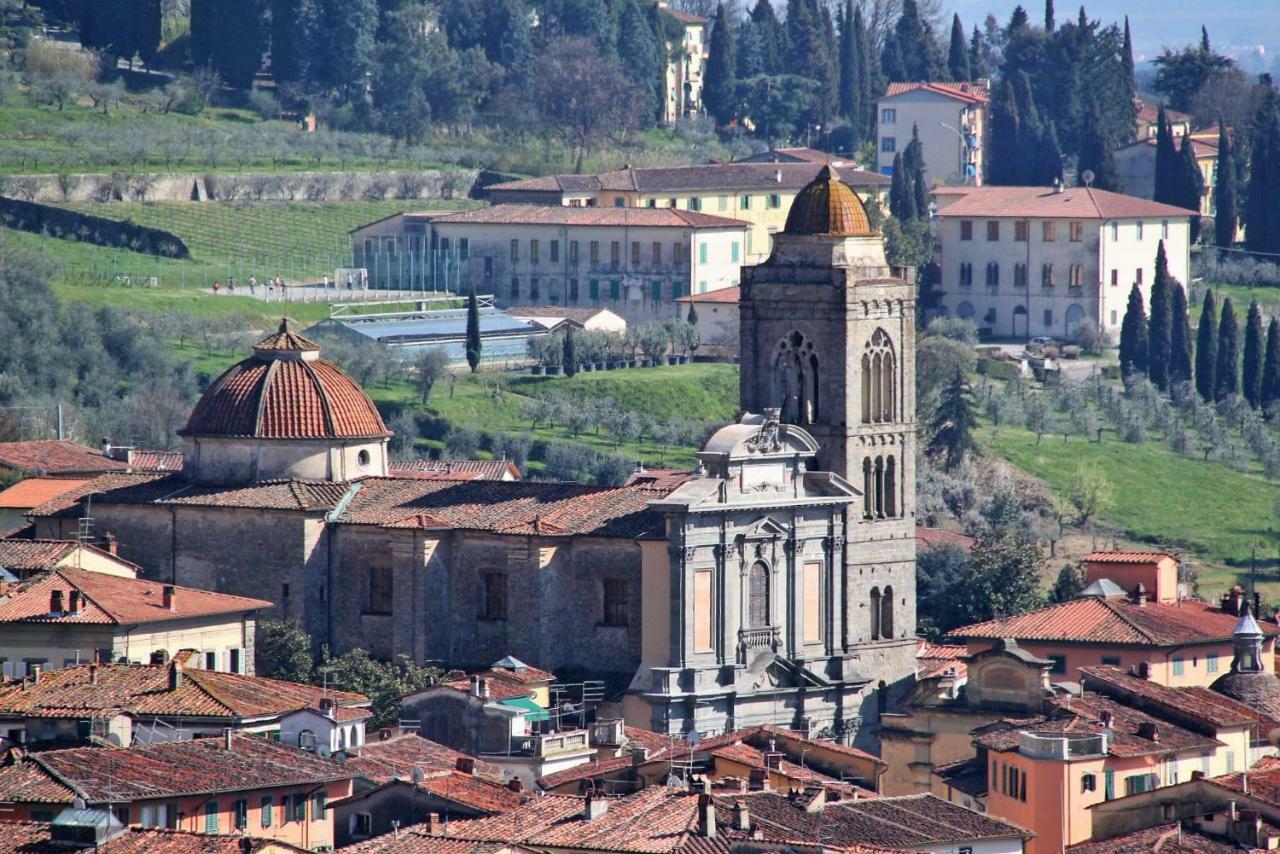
(217, 285)
(326, 282)
(253, 285)
(231, 284)
(350, 282)
(271, 288)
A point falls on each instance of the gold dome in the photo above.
(828, 207)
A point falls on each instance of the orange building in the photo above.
(235, 784)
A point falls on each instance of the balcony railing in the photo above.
(552, 744)
(1061, 745)
(761, 639)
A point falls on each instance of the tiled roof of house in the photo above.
(519, 507)
(1133, 732)
(605, 217)
(113, 600)
(485, 469)
(684, 179)
(1128, 557)
(33, 837)
(580, 314)
(1094, 620)
(35, 491)
(28, 783)
(1165, 838)
(1263, 781)
(1148, 113)
(156, 460)
(799, 775)
(596, 769)
(1045, 202)
(728, 296)
(55, 456)
(398, 755)
(473, 792)
(163, 489)
(145, 690)
(965, 775)
(179, 768)
(969, 93)
(1207, 707)
(683, 16)
(499, 688)
(934, 660)
(930, 537)
(419, 840)
(21, 555)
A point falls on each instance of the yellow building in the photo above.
(683, 96)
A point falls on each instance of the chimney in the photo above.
(1140, 595)
(226, 738)
(55, 602)
(777, 176)
(594, 807)
(1197, 775)
(706, 816)
(433, 823)
(109, 542)
(74, 602)
(326, 707)
(36, 670)
(480, 687)
(170, 598)
(638, 756)
(175, 675)
(515, 785)
(93, 674)
(465, 765)
(1144, 670)
(741, 817)
(1057, 185)
(758, 781)
(773, 760)
(1149, 731)
(1244, 783)
(1105, 718)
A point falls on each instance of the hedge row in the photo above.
(70, 225)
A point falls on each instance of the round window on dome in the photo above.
(363, 458)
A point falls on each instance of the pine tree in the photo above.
(1225, 216)
(570, 354)
(1048, 17)
(773, 37)
(902, 198)
(1180, 334)
(1160, 325)
(295, 32)
(958, 53)
(638, 53)
(352, 24)
(1207, 348)
(474, 343)
(1251, 381)
(1262, 204)
(1190, 185)
(915, 41)
(954, 421)
(1226, 373)
(718, 90)
(1166, 181)
(977, 67)
(1133, 336)
(1096, 154)
(1271, 368)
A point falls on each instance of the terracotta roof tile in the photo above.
(1071, 203)
(418, 840)
(55, 456)
(1148, 113)
(521, 214)
(397, 756)
(97, 486)
(35, 491)
(1165, 838)
(934, 660)
(114, 600)
(485, 469)
(33, 837)
(1094, 620)
(172, 489)
(156, 460)
(473, 792)
(731, 295)
(1205, 706)
(930, 537)
(970, 93)
(965, 775)
(27, 783)
(1128, 557)
(28, 556)
(685, 179)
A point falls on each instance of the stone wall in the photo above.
(428, 184)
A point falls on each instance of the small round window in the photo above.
(363, 458)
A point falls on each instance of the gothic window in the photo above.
(879, 386)
(879, 488)
(890, 488)
(868, 488)
(381, 590)
(758, 595)
(493, 603)
(886, 613)
(875, 613)
(795, 379)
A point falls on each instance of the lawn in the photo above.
(697, 392)
(1165, 499)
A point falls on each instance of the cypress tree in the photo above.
(1225, 215)
(892, 64)
(866, 82)
(902, 199)
(1226, 374)
(773, 38)
(692, 317)
(1207, 348)
(1048, 156)
(852, 69)
(638, 55)
(1262, 204)
(954, 422)
(913, 162)
(977, 68)
(1204, 39)
(1166, 182)
(1271, 368)
(570, 354)
(1251, 381)
(1160, 326)
(353, 24)
(228, 36)
(1096, 154)
(473, 330)
(1190, 185)
(915, 41)
(1133, 335)
(1005, 127)
(958, 53)
(1129, 90)
(1048, 16)
(1180, 334)
(718, 91)
(295, 28)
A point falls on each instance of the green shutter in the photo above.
(318, 803)
(702, 287)
(615, 289)
(211, 817)
(733, 252)
(595, 289)
(702, 253)
(675, 291)
(655, 288)
(1109, 784)
(299, 807)
(266, 811)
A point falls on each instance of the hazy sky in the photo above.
(1235, 26)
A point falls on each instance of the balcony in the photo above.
(1062, 746)
(551, 744)
(756, 640)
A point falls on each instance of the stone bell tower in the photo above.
(828, 337)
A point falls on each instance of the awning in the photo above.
(532, 711)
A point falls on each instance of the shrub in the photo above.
(960, 329)
(1091, 338)
(264, 103)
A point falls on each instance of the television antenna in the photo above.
(1087, 177)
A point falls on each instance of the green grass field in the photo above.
(1165, 499)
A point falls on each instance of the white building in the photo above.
(951, 119)
(683, 78)
(1029, 261)
(325, 728)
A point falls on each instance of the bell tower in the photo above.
(827, 336)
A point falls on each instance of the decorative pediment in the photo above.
(765, 528)
(755, 437)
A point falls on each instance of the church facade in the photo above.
(775, 584)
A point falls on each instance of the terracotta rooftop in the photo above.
(603, 217)
(728, 296)
(1115, 621)
(1205, 707)
(727, 177)
(683, 16)
(965, 775)
(1263, 782)
(113, 600)
(969, 93)
(23, 556)
(35, 491)
(156, 460)
(474, 792)
(172, 489)
(1149, 113)
(33, 837)
(930, 537)
(145, 690)
(381, 760)
(178, 768)
(934, 659)
(1128, 557)
(419, 840)
(484, 469)
(1165, 838)
(55, 456)
(1043, 202)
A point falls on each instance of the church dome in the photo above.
(828, 207)
(1258, 689)
(285, 391)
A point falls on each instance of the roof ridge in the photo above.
(196, 678)
(57, 570)
(58, 778)
(1112, 606)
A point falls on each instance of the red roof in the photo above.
(1207, 706)
(156, 460)
(1128, 557)
(473, 792)
(24, 557)
(172, 489)
(483, 469)
(1149, 113)
(1044, 202)
(969, 93)
(703, 178)
(114, 600)
(1115, 621)
(397, 756)
(519, 214)
(729, 295)
(55, 456)
(35, 491)
(34, 837)
(930, 537)
(937, 659)
(1165, 838)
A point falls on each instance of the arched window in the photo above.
(879, 488)
(886, 613)
(795, 379)
(891, 488)
(758, 595)
(868, 488)
(879, 387)
(875, 613)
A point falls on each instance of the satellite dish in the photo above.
(1087, 177)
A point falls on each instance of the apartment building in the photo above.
(1136, 165)
(685, 63)
(1030, 261)
(952, 121)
